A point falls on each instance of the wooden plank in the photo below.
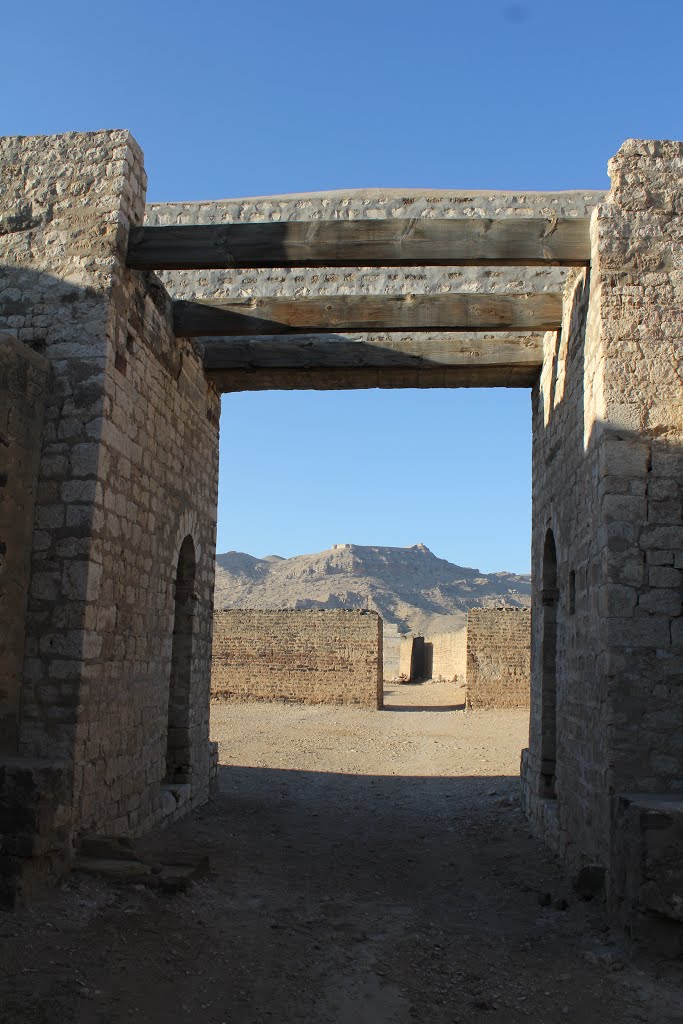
(508, 241)
(350, 314)
(330, 379)
(314, 352)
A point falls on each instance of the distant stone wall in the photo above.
(309, 657)
(446, 655)
(498, 657)
(411, 664)
(391, 652)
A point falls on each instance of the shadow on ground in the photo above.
(424, 707)
(333, 899)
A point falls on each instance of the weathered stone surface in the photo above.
(23, 393)
(117, 641)
(646, 869)
(309, 657)
(446, 655)
(128, 469)
(607, 483)
(498, 657)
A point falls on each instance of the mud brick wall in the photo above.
(24, 379)
(391, 652)
(411, 658)
(446, 655)
(498, 657)
(308, 657)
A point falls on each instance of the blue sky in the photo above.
(231, 99)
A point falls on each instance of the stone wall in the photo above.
(391, 652)
(23, 392)
(411, 658)
(607, 544)
(119, 611)
(128, 470)
(498, 657)
(309, 657)
(446, 655)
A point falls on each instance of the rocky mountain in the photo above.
(410, 587)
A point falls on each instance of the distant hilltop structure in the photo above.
(410, 587)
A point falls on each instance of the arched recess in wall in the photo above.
(178, 754)
(549, 595)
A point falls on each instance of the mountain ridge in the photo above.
(410, 587)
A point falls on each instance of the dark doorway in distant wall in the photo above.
(178, 760)
(549, 668)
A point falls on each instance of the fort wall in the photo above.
(308, 657)
(498, 657)
(607, 556)
(127, 469)
(391, 652)
(446, 655)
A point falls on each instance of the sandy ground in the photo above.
(366, 868)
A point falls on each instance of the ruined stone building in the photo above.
(111, 378)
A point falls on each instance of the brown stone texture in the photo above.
(24, 379)
(307, 657)
(446, 655)
(498, 657)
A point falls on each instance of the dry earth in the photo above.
(366, 868)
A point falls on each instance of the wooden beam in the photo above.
(331, 379)
(507, 241)
(314, 352)
(351, 314)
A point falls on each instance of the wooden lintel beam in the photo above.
(472, 351)
(351, 314)
(474, 241)
(330, 379)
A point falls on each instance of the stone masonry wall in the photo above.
(391, 651)
(128, 470)
(446, 655)
(607, 477)
(498, 657)
(309, 657)
(23, 391)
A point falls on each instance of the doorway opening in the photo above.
(549, 596)
(178, 754)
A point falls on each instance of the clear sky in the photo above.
(267, 96)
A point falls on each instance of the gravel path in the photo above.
(366, 868)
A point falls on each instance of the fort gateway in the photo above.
(123, 323)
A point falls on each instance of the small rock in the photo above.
(544, 899)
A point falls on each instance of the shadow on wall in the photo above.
(607, 568)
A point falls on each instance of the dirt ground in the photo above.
(365, 868)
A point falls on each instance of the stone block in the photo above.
(616, 600)
(652, 631)
(663, 576)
